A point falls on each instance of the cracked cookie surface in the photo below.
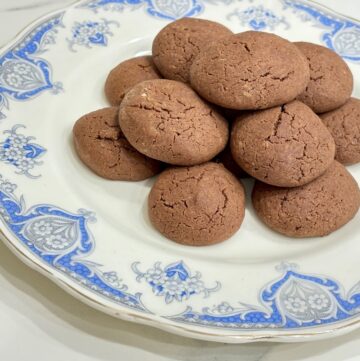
(197, 206)
(344, 125)
(331, 81)
(178, 43)
(285, 146)
(102, 146)
(168, 121)
(250, 70)
(127, 74)
(315, 209)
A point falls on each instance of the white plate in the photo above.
(256, 286)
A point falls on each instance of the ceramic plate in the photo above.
(92, 236)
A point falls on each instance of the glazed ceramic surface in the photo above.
(93, 237)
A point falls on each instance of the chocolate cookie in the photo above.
(250, 70)
(127, 74)
(331, 81)
(176, 45)
(168, 121)
(102, 146)
(197, 206)
(315, 209)
(344, 125)
(285, 146)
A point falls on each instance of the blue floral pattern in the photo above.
(89, 33)
(341, 34)
(62, 240)
(258, 18)
(294, 300)
(20, 151)
(174, 282)
(162, 9)
(23, 74)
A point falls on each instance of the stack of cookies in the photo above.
(209, 107)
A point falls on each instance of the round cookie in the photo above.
(127, 74)
(177, 44)
(250, 70)
(344, 125)
(102, 146)
(315, 209)
(168, 121)
(331, 81)
(285, 146)
(197, 206)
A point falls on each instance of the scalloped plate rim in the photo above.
(79, 293)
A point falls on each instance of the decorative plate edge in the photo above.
(69, 286)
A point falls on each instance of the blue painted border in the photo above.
(293, 301)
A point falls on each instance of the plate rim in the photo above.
(80, 293)
(70, 286)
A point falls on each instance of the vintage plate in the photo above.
(92, 236)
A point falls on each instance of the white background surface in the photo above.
(39, 321)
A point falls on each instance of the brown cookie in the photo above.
(250, 70)
(344, 125)
(228, 161)
(168, 121)
(315, 209)
(177, 44)
(102, 146)
(285, 146)
(197, 206)
(331, 81)
(127, 74)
